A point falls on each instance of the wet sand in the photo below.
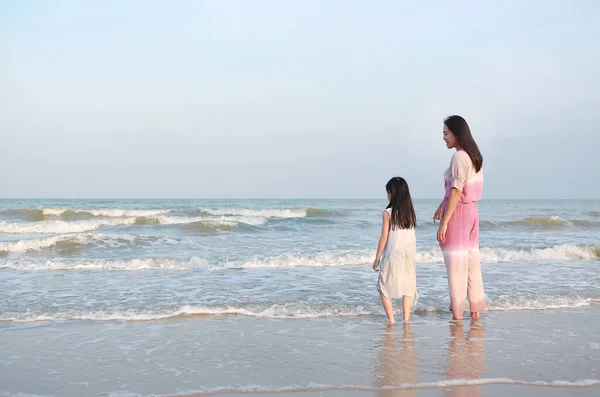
(545, 353)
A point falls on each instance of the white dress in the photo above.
(398, 270)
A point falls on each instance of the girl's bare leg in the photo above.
(406, 304)
(387, 306)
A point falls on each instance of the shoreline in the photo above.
(448, 384)
(192, 313)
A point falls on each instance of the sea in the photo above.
(185, 297)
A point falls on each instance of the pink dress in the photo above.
(461, 249)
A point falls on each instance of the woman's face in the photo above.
(450, 139)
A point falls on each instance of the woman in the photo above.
(458, 233)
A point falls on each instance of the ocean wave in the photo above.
(107, 212)
(80, 226)
(566, 252)
(61, 227)
(316, 212)
(201, 223)
(30, 214)
(214, 226)
(36, 244)
(280, 311)
(81, 239)
(41, 213)
(227, 221)
(540, 222)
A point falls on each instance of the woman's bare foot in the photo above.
(454, 317)
(474, 315)
(391, 323)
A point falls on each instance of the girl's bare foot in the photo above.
(475, 315)
(391, 323)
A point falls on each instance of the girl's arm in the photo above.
(385, 231)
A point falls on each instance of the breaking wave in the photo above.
(76, 240)
(269, 213)
(43, 213)
(361, 258)
(62, 227)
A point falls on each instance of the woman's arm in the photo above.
(385, 231)
(459, 169)
(437, 215)
(452, 203)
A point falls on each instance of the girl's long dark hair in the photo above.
(461, 130)
(403, 213)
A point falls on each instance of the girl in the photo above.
(397, 250)
(458, 233)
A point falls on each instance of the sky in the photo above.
(295, 99)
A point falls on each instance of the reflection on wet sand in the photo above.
(397, 363)
(466, 355)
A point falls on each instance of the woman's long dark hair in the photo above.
(403, 213)
(461, 130)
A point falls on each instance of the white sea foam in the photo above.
(108, 240)
(557, 252)
(317, 387)
(565, 252)
(35, 244)
(101, 264)
(333, 259)
(299, 260)
(549, 303)
(275, 311)
(428, 256)
(221, 221)
(61, 227)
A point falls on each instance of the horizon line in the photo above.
(277, 198)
